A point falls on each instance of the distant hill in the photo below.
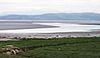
(54, 16)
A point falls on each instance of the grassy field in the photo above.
(66, 48)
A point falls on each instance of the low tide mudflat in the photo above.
(21, 25)
(46, 29)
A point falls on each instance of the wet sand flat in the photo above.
(20, 25)
(31, 29)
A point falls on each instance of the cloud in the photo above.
(47, 6)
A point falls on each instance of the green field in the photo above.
(66, 48)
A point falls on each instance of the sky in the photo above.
(33, 7)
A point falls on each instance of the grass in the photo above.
(82, 47)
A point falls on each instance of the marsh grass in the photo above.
(81, 47)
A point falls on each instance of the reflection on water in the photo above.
(63, 27)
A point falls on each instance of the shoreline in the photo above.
(49, 35)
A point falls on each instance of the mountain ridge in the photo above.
(54, 16)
